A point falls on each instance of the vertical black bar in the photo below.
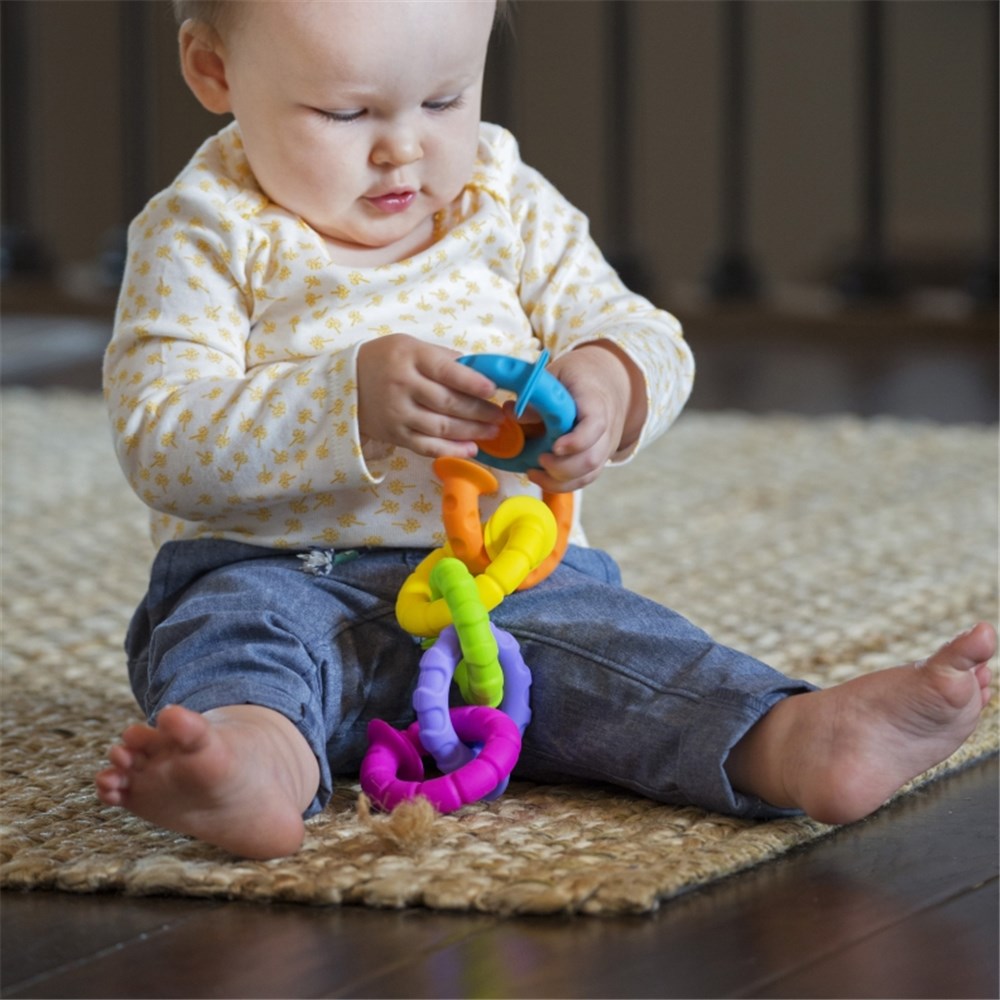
(20, 250)
(501, 73)
(134, 68)
(870, 276)
(618, 138)
(14, 123)
(873, 132)
(137, 101)
(733, 276)
(619, 144)
(984, 285)
(734, 140)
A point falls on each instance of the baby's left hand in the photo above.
(610, 413)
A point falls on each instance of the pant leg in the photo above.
(229, 624)
(629, 692)
(624, 690)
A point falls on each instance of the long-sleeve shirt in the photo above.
(231, 376)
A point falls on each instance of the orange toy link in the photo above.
(463, 484)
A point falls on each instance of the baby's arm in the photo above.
(415, 394)
(609, 392)
(210, 425)
(624, 361)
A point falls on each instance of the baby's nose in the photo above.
(397, 147)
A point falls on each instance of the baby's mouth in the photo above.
(392, 201)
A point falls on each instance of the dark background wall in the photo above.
(837, 157)
(84, 66)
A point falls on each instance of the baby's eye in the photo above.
(445, 103)
(342, 116)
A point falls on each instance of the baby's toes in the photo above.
(111, 786)
(985, 677)
(142, 739)
(124, 759)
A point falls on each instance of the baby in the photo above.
(282, 375)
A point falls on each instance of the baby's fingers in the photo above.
(428, 425)
(568, 473)
(576, 460)
(457, 407)
(442, 367)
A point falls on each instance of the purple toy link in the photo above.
(430, 699)
(470, 746)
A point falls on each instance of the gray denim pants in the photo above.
(623, 690)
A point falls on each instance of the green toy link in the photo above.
(478, 675)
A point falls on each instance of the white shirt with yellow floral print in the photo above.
(231, 381)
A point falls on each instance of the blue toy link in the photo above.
(533, 386)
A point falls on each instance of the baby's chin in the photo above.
(379, 245)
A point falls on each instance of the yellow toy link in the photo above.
(519, 536)
(478, 674)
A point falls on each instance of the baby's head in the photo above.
(210, 11)
(361, 118)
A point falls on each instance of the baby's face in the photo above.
(360, 117)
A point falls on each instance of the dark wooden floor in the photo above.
(903, 905)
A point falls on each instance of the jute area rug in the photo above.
(826, 547)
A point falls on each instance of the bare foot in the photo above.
(839, 754)
(238, 777)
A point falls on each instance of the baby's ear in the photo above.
(203, 65)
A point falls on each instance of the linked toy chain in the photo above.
(447, 601)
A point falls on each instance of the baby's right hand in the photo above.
(416, 395)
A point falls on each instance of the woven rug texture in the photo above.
(827, 547)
